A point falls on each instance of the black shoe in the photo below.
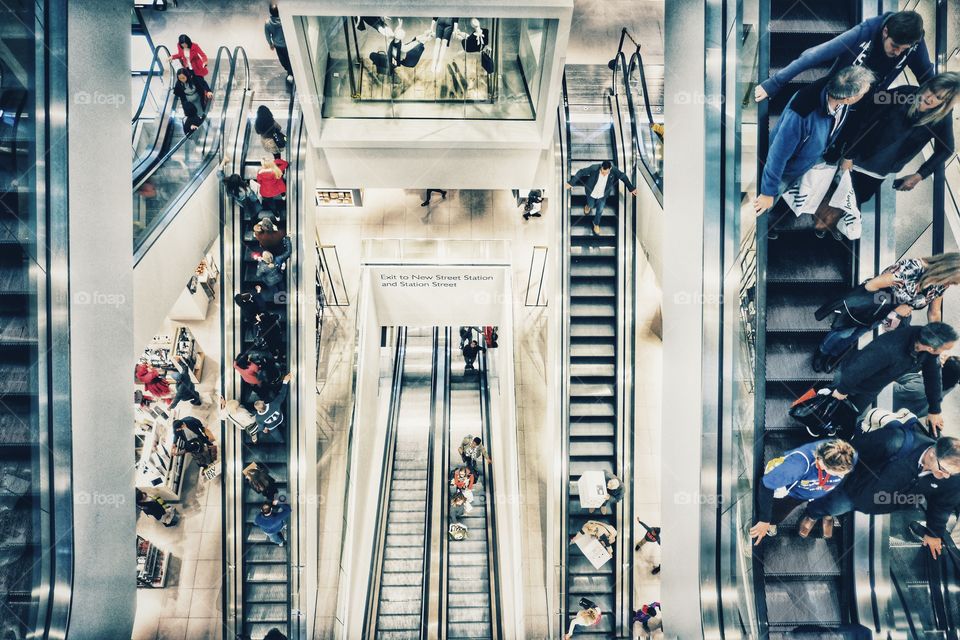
(526, 216)
(443, 195)
(535, 215)
(820, 233)
(424, 204)
(819, 360)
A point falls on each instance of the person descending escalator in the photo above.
(883, 44)
(192, 89)
(588, 616)
(473, 453)
(889, 299)
(189, 54)
(595, 179)
(910, 393)
(260, 480)
(470, 353)
(799, 476)
(901, 468)
(270, 414)
(272, 520)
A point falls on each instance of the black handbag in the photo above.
(823, 415)
(859, 308)
(486, 61)
(279, 137)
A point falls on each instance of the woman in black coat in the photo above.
(192, 89)
(271, 134)
(893, 127)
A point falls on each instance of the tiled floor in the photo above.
(189, 606)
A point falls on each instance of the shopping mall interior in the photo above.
(621, 319)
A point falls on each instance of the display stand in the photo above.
(194, 300)
(161, 350)
(152, 565)
(158, 472)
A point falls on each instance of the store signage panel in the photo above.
(431, 296)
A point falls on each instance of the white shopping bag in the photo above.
(806, 194)
(845, 199)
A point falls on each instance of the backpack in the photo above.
(278, 137)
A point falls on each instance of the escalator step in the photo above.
(789, 555)
(399, 607)
(470, 586)
(397, 623)
(592, 349)
(590, 370)
(592, 449)
(793, 258)
(269, 553)
(592, 267)
(576, 469)
(590, 407)
(790, 358)
(795, 602)
(791, 307)
(267, 573)
(266, 612)
(580, 390)
(265, 592)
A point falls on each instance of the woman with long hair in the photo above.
(889, 299)
(193, 90)
(893, 127)
(271, 134)
(190, 55)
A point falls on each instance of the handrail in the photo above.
(493, 542)
(150, 76)
(428, 582)
(440, 483)
(386, 474)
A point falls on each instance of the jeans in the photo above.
(597, 204)
(835, 503)
(839, 340)
(276, 538)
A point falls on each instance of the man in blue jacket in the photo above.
(800, 476)
(884, 44)
(811, 121)
(595, 179)
(272, 520)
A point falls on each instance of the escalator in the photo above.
(804, 588)
(399, 586)
(260, 595)
(154, 119)
(471, 589)
(592, 330)
(166, 184)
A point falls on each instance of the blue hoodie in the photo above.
(863, 44)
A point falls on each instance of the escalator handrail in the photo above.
(428, 541)
(641, 164)
(165, 119)
(154, 62)
(446, 423)
(386, 475)
(137, 183)
(563, 230)
(493, 543)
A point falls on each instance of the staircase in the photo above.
(593, 337)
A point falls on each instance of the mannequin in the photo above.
(399, 56)
(380, 23)
(445, 30)
(478, 39)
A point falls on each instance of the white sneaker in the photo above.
(289, 78)
(772, 531)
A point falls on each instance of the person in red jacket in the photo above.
(189, 54)
(249, 371)
(273, 188)
(153, 381)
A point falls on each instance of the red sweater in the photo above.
(270, 185)
(249, 374)
(198, 59)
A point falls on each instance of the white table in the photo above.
(592, 486)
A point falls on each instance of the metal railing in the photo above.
(538, 257)
(330, 270)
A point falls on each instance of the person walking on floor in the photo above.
(426, 198)
(274, 34)
(866, 373)
(185, 389)
(900, 467)
(184, 427)
(797, 477)
(156, 508)
(883, 44)
(272, 520)
(596, 180)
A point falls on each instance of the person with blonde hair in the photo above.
(273, 188)
(799, 476)
(588, 616)
(892, 129)
(889, 299)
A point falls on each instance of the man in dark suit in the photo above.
(900, 467)
(596, 180)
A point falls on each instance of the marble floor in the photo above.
(189, 606)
